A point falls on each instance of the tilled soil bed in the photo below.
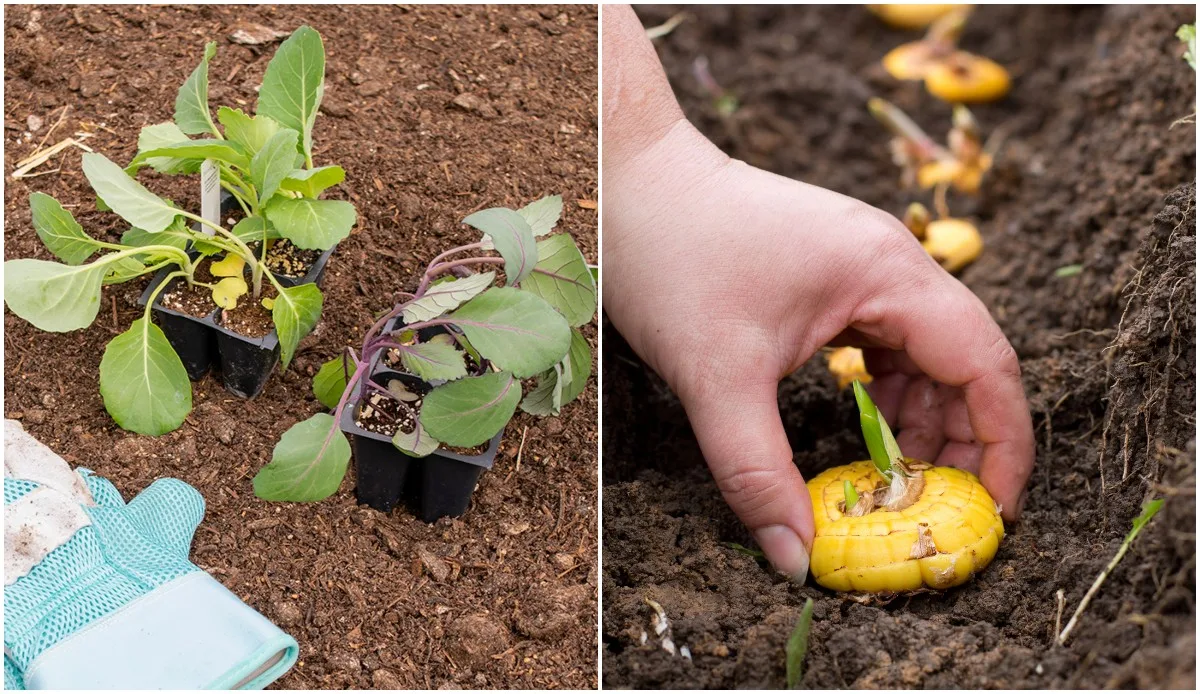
(434, 113)
(1095, 172)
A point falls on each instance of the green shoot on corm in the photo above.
(851, 494)
(885, 452)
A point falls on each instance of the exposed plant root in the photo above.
(904, 491)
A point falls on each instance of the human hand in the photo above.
(725, 278)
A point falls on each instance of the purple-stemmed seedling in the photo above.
(522, 327)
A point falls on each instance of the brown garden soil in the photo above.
(504, 596)
(1093, 172)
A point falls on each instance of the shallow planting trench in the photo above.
(1092, 173)
(434, 113)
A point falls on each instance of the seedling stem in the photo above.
(256, 267)
(1149, 509)
(900, 125)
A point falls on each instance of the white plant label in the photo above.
(210, 195)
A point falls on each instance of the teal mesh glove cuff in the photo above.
(13, 679)
(100, 569)
(113, 602)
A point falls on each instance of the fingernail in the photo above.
(785, 550)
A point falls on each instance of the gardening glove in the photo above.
(100, 594)
(13, 679)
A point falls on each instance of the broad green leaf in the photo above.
(542, 214)
(434, 361)
(297, 310)
(253, 229)
(191, 103)
(417, 443)
(59, 231)
(143, 382)
(312, 182)
(308, 463)
(330, 381)
(561, 277)
(251, 132)
(273, 163)
(124, 270)
(176, 236)
(294, 84)
(516, 330)
(54, 297)
(797, 646)
(546, 399)
(163, 135)
(562, 383)
(127, 197)
(308, 223)
(447, 296)
(880, 443)
(469, 411)
(510, 234)
(595, 270)
(198, 150)
(577, 367)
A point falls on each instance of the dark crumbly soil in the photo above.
(250, 317)
(1092, 173)
(384, 415)
(194, 300)
(504, 596)
(286, 259)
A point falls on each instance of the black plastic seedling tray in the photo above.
(245, 362)
(193, 338)
(315, 274)
(201, 342)
(440, 484)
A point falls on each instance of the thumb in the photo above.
(168, 513)
(742, 437)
